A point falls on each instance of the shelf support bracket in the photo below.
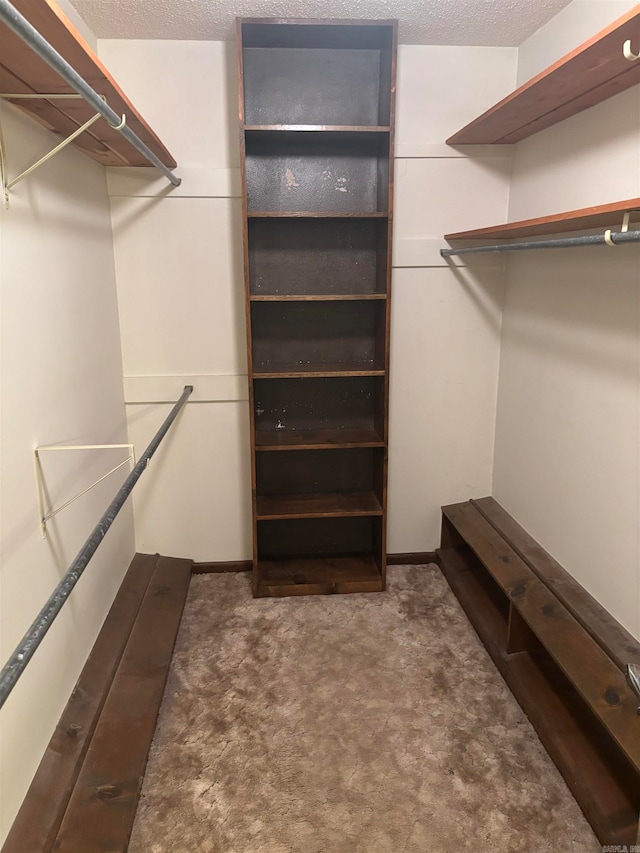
(44, 516)
(628, 53)
(6, 184)
(623, 229)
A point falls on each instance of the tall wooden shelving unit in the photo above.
(316, 107)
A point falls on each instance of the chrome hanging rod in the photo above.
(10, 16)
(18, 661)
(610, 239)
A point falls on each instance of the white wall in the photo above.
(180, 287)
(576, 23)
(61, 383)
(445, 318)
(567, 462)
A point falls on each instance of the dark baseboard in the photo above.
(417, 558)
(221, 568)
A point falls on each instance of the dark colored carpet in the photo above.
(345, 724)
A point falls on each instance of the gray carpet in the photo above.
(345, 724)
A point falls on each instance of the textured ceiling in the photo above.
(463, 22)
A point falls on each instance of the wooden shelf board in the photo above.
(317, 128)
(318, 297)
(38, 821)
(327, 505)
(601, 626)
(599, 216)
(295, 371)
(592, 72)
(22, 71)
(311, 214)
(563, 723)
(595, 677)
(117, 757)
(488, 621)
(316, 439)
(318, 575)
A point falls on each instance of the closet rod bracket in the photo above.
(6, 184)
(628, 53)
(44, 516)
(16, 22)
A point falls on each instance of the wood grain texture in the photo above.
(600, 781)
(38, 76)
(318, 439)
(325, 505)
(222, 568)
(319, 576)
(598, 216)
(589, 668)
(103, 804)
(36, 825)
(615, 640)
(573, 690)
(316, 109)
(413, 558)
(317, 128)
(582, 78)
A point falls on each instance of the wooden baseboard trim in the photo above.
(221, 568)
(415, 558)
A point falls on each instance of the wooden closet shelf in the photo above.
(338, 504)
(314, 214)
(600, 216)
(593, 72)
(22, 71)
(316, 439)
(317, 128)
(561, 654)
(318, 575)
(294, 371)
(319, 297)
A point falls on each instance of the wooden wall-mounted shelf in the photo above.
(593, 72)
(23, 72)
(600, 216)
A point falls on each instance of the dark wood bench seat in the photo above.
(84, 795)
(560, 652)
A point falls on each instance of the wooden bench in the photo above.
(84, 795)
(562, 655)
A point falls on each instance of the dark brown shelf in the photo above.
(316, 128)
(316, 108)
(571, 690)
(320, 297)
(318, 257)
(316, 439)
(593, 72)
(310, 214)
(550, 702)
(318, 575)
(599, 216)
(296, 371)
(22, 71)
(338, 504)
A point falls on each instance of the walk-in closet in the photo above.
(319, 426)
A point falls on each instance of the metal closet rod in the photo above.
(22, 28)
(615, 238)
(18, 661)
